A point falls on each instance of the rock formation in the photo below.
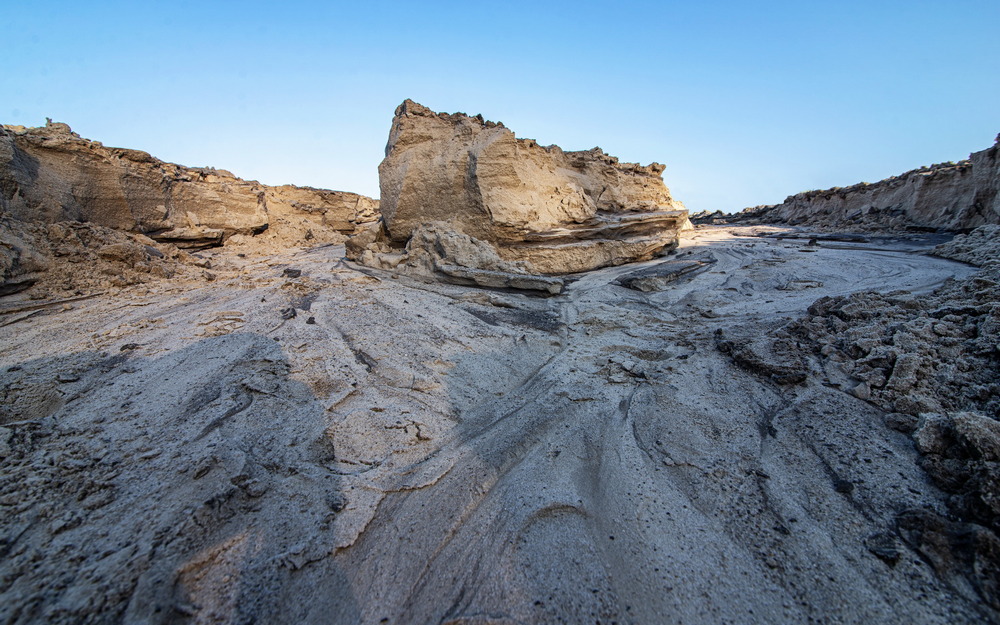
(558, 212)
(754, 430)
(947, 196)
(51, 174)
(980, 247)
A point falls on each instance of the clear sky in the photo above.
(744, 101)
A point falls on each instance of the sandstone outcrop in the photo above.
(947, 196)
(50, 174)
(70, 259)
(558, 212)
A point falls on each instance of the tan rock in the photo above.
(339, 210)
(55, 175)
(51, 174)
(437, 251)
(435, 247)
(437, 243)
(561, 212)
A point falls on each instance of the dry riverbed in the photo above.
(298, 439)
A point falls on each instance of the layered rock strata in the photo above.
(50, 174)
(948, 196)
(437, 249)
(557, 212)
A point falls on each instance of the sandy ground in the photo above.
(408, 452)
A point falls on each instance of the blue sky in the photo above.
(745, 102)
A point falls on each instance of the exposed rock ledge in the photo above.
(543, 210)
(952, 197)
(51, 174)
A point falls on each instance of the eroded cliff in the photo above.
(51, 174)
(951, 197)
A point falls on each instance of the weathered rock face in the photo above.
(948, 196)
(590, 457)
(562, 212)
(979, 247)
(51, 174)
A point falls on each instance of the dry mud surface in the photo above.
(302, 440)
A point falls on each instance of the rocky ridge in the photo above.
(51, 174)
(76, 215)
(950, 197)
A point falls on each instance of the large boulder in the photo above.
(559, 212)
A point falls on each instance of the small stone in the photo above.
(336, 501)
(901, 422)
(203, 467)
(186, 609)
(5, 436)
(933, 433)
(251, 486)
(862, 391)
(884, 547)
